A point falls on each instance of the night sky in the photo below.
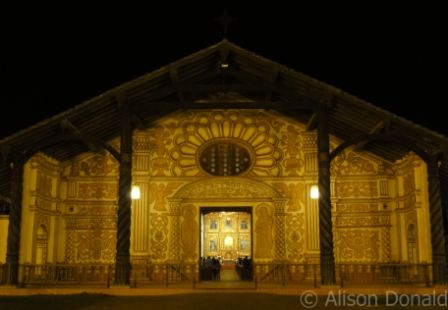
(394, 59)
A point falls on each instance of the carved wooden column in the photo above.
(123, 263)
(174, 244)
(436, 217)
(443, 174)
(279, 220)
(15, 218)
(325, 225)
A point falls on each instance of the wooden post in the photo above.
(15, 218)
(123, 262)
(327, 266)
(443, 176)
(436, 217)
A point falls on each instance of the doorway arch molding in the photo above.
(231, 188)
(243, 191)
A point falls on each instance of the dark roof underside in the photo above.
(197, 81)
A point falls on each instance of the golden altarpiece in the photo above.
(259, 160)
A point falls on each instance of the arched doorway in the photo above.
(226, 244)
(233, 203)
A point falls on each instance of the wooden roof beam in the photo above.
(160, 108)
(154, 110)
(174, 75)
(303, 91)
(382, 125)
(328, 100)
(137, 122)
(312, 122)
(235, 105)
(171, 89)
(224, 64)
(224, 55)
(5, 151)
(66, 125)
(226, 87)
(273, 79)
(150, 103)
(263, 84)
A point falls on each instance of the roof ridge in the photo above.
(350, 99)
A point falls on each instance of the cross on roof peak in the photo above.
(225, 20)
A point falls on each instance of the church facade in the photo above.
(224, 173)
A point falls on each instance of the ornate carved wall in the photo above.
(172, 148)
(362, 208)
(412, 210)
(41, 210)
(374, 201)
(90, 196)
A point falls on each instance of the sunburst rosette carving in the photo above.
(236, 127)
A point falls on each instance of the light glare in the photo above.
(314, 192)
(135, 192)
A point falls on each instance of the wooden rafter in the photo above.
(66, 125)
(268, 84)
(273, 79)
(137, 121)
(312, 122)
(378, 128)
(263, 85)
(171, 89)
(174, 75)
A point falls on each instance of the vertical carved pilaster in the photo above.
(123, 263)
(312, 220)
(436, 217)
(140, 219)
(174, 244)
(279, 220)
(15, 217)
(325, 225)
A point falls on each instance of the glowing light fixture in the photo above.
(224, 65)
(228, 242)
(314, 192)
(135, 192)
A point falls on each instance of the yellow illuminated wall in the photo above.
(380, 209)
(3, 237)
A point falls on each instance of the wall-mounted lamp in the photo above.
(135, 192)
(314, 192)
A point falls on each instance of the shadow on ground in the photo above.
(199, 301)
(208, 301)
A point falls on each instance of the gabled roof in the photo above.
(221, 76)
